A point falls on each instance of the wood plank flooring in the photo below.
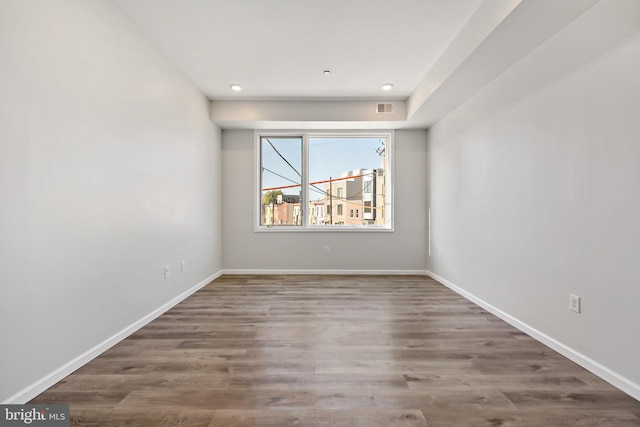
(335, 351)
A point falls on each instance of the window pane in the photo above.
(347, 179)
(281, 181)
(349, 172)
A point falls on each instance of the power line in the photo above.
(287, 162)
(331, 141)
(281, 176)
(290, 165)
(282, 157)
(313, 186)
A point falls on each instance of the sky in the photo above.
(328, 157)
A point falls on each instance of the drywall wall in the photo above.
(400, 251)
(306, 114)
(534, 193)
(109, 171)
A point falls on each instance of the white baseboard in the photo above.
(617, 380)
(609, 375)
(328, 272)
(44, 383)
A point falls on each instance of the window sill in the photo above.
(322, 229)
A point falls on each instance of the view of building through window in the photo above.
(346, 181)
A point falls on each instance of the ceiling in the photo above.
(436, 53)
(278, 49)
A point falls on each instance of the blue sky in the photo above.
(328, 157)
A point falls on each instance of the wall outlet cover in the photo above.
(574, 303)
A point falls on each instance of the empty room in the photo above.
(320, 213)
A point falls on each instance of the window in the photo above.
(280, 183)
(299, 173)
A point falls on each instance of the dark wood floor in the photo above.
(335, 351)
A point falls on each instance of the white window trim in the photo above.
(306, 228)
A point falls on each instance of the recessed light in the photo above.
(326, 72)
(236, 87)
(387, 86)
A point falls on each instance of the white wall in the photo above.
(305, 114)
(400, 251)
(534, 193)
(109, 170)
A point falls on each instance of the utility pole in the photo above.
(374, 195)
(331, 200)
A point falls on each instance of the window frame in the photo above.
(366, 187)
(304, 204)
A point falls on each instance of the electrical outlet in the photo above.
(182, 265)
(574, 303)
(327, 250)
(166, 272)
